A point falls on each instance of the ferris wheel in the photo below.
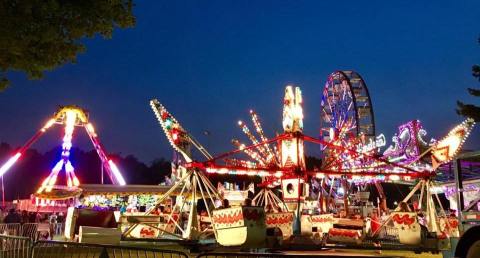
(346, 109)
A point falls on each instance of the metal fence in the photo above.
(34, 231)
(15, 247)
(269, 255)
(24, 247)
(13, 229)
(54, 249)
(284, 255)
(242, 255)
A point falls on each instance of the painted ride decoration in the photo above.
(241, 225)
(409, 230)
(282, 221)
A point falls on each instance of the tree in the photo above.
(40, 35)
(470, 110)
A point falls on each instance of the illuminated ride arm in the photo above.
(10, 162)
(112, 170)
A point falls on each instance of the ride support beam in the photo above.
(345, 196)
(457, 171)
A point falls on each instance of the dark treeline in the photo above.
(26, 175)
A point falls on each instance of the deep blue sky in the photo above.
(209, 62)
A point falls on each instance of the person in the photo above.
(452, 213)
(248, 202)
(218, 203)
(421, 218)
(375, 223)
(123, 209)
(1, 215)
(31, 217)
(226, 204)
(13, 217)
(168, 181)
(184, 220)
(61, 217)
(403, 207)
(53, 218)
(38, 217)
(25, 217)
(422, 221)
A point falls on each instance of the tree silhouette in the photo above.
(471, 110)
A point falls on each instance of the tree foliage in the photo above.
(40, 35)
(471, 110)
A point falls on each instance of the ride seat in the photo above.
(409, 230)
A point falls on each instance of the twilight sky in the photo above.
(209, 62)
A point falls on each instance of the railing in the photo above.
(242, 255)
(34, 231)
(29, 230)
(24, 247)
(272, 255)
(13, 229)
(15, 247)
(68, 249)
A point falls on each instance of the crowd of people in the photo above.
(22, 217)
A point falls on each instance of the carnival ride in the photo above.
(69, 117)
(350, 156)
(193, 185)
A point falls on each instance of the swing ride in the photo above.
(351, 159)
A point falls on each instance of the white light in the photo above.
(260, 173)
(116, 173)
(436, 190)
(91, 130)
(9, 163)
(394, 177)
(48, 124)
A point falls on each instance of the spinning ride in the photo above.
(69, 117)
